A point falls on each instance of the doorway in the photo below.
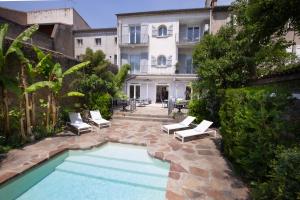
(134, 91)
(162, 93)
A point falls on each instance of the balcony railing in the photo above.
(137, 40)
(150, 70)
(187, 41)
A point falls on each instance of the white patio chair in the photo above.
(201, 129)
(97, 119)
(77, 123)
(181, 125)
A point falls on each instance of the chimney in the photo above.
(210, 3)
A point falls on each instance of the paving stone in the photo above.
(194, 195)
(173, 196)
(177, 168)
(197, 170)
(174, 175)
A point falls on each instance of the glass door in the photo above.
(135, 34)
(189, 65)
(134, 91)
(135, 64)
(193, 33)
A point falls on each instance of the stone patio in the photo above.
(197, 171)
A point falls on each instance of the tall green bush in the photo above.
(253, 126)
(101, 102)
(284, 178)
(197, 108)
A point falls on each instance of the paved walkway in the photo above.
(197, 171)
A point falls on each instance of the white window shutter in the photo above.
(169, 61)
(154, 31)
(170, 30)
(153, 60)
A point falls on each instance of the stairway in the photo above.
(142, 117)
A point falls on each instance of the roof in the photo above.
(110, 29)
(44, 10)
(172, 11)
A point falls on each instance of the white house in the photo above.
(159, 45)
(104, 39)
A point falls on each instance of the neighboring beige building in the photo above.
(56, 26)
(104, 39)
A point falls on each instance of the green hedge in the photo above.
(101, 102)
(255, 130)
(197, 108)
(284, 178)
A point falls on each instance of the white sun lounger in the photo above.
(97, 119)
(181, 125)
(78, 124)
(201, 129)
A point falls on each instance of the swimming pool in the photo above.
(112, 171)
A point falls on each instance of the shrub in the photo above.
(252, 126)
(101, 102)
(197, 108)
(284, 182)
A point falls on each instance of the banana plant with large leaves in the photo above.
(7, 82)
(54, 76)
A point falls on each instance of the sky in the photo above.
(101, 13)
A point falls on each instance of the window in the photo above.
(79, 42)
(161, 60)
(116, 40)
(135, 34)
(189, 65)
(115, 59)
(134, 91)
(193, 33)
(135, 64)
(98, 41)
(162, 31)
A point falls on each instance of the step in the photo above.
(140, 118)
(139, 115)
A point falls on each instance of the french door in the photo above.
(134, 61)
(134, 91)
(193, 33)
(135, 34)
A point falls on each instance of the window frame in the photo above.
(195, 37)
(159, 32)
(79, 42)
(137, 34)
(99, 40)
(159, 62)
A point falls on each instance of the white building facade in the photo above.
(159, 46)
(104, 39)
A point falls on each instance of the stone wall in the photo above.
(14, 69)
(39, 39)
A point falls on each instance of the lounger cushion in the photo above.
(203, 126)
(187, 121)
(95, 115)
(81, 125)
(100, 121)
(173, 126)
(75, 118)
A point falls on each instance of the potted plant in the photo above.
(177, 65)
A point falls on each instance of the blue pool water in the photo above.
(112, 171)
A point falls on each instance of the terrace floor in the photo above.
(197, 171)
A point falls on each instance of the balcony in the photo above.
(141, 40)
(187, 42)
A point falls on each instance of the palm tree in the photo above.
(54, 81)
(6, 82)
